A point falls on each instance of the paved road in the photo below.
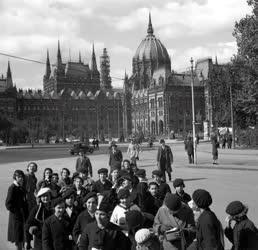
(234, 179)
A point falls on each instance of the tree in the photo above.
(246, 63)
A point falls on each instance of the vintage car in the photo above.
(81, 147)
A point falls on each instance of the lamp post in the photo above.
(193, 112)
(231, 108)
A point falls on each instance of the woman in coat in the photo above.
(215, 152)
(37, 217)
(244, 234)
(209, 232)
(18, 209)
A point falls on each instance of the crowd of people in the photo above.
(120, 209)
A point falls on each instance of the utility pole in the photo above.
(193, 112)
(232, 116)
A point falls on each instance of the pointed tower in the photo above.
(48, 68)
(93, 60)
(9, 79)
(59, 64)
(105, 79)
(150, 29)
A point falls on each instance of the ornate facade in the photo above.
(160, 98)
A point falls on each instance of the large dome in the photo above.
(152, 49)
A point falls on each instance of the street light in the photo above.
(193, 112)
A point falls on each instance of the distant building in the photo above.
(159, 100)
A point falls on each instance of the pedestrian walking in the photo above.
(17, 206)
(244, 234)
(189, 147)
(229, 141)
(209, 232)
(115, 156)
(133, 152)
(215, 152)
(165, 159)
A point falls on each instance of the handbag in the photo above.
(172, 234)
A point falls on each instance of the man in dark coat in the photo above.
(103, 184)
(244, 234)
(189, 147)
(115, 157)
(84, 162)
(165, 159)
(55, 231)
(102, 234)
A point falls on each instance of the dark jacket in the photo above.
(115, 159)
(78, 201)
(185, 197)
(30, 184)
(71, 219)
(17, 206)
(189, 147)
(82, 221)
(168, 158)
(110, 238)
(142, 192)
(243, 236)
(36, 219)
(99, 187)
(85, 164)
(151, 204)
(164, 188)
(209, 232)
(55, 234)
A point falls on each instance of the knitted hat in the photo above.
(57, 201)
(157, 172)
(104, 207)
(103, 170)
(235, 208)
(134, 219)
(162, 141)
(140, 173)
(123, 193)
(89, 195)
(43, 191)
(202, 198)
(172, 201)
(68, 193)
(142, 235)
(178, 182)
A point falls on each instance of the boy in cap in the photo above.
(165, 159)
(80, 191)
(55, 231)
(174, 223)
(163, 186)
(209, 233)
(102, 234)
(142, 188)
(125, 205)
(103, 184)
(84, 162)
(179, 186)
(244, 234)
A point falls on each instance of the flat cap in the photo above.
(235, 208)
(103, 170)
(178, 182)
(202, 198)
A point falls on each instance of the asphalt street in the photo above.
(235, 178)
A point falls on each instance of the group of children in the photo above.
(120, 210)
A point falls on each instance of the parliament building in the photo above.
(78, 99)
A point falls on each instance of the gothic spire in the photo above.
(59, 57)
(48, 68)
(150, 29)
(93, 60)
(9, 79)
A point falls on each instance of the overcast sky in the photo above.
(187, 28)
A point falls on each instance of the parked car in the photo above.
(81, 147)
